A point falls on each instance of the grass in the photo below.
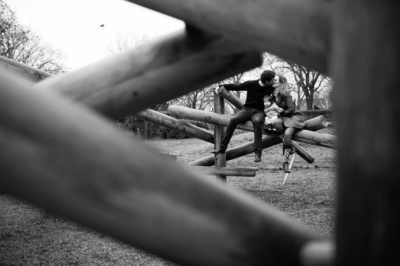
(30, 236)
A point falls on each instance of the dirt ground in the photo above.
(30, 236)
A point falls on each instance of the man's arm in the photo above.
(236, 86)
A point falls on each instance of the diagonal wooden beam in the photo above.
(154, 72)
(176, 124)
(238, 151)
(297, 31)
(76, 163)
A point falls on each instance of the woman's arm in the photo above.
(290, 107)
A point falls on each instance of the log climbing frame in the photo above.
(60, 151)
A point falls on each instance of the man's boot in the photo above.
(257, 158)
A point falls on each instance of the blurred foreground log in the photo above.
(301, 30)
(152, 73)
(88, 171)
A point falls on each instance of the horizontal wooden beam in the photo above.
(154, 72)
(88, 171)
(306, 136)
(298, 31)
(225, 171)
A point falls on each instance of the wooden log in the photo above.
(220, 159)
(153, 73)
(301, 29)
(312, 124)
(173, 123)
(302, 153)
(315, 138)
(238, 151)
(169, 156)
(316, 123)
(306, 136)
(33, 71)
(88, 171)
(225, 171)
(366, 69)
(232, 98)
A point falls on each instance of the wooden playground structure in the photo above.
(61, 151)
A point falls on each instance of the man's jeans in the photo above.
(256, 116)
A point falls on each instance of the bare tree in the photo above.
(20, 44)
(310, 82)
(305, 82)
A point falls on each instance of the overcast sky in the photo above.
(73, 26)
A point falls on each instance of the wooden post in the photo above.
(366, 74)
(146, 129)
(220, 159)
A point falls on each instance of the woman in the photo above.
(289, 119)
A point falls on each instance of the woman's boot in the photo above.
(286, 154)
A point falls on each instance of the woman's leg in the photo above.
(287, 147)
(278, 125)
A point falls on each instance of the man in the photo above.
(253, 109)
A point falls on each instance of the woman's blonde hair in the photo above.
(283, 87)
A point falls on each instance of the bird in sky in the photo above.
(102, 25)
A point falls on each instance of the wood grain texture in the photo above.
(298, 31)
(77, 164)
(176, 124)
(367, 110)
(154, 72)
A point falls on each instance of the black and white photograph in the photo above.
(199, 132)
